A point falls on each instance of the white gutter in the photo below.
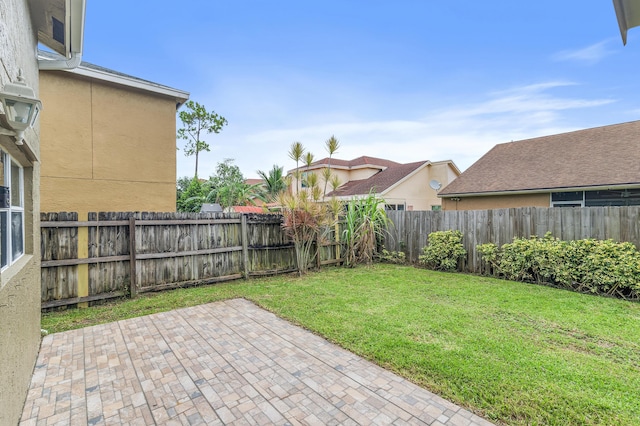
(61, 64)
(128, 81)
(74, 34)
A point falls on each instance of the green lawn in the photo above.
(511, 352)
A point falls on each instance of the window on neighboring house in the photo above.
(303, 180)
(567, 199)
(11, 210)
(622, 197)
(398, 207)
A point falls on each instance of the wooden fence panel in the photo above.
(59, 244)
(168, 250)
(108, 241)
(500, 226)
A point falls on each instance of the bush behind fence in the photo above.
(410, 229)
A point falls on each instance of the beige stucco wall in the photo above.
(344, 175)
(20, 282)
(496, 202)
(362, 173)
(106, 147)
(415, 191)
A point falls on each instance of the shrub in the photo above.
(443, 251)
(594, 266)
(304, 219)
(396, 257)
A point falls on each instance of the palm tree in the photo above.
(295, 153)
(235, 194)
(308, 160)
(274, 182)
(332, 144)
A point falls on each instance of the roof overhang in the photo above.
(628, 14)
(123, 80)
(450, 163)
(542, 190)
(59, 25)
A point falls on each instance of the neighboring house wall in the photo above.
(402, 186)
(20, 281)
(344, 175)
(106, 147)
(496, 202)
(363, 173)
(415, 192)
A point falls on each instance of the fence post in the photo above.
(245, 246)
(133, 286)
(83, 253)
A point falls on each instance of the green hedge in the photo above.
(594, 266)
(444, 250)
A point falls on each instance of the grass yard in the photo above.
(514, 353)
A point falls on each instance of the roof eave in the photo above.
(180, 96)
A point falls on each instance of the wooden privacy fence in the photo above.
(117, 254)
(410, 229)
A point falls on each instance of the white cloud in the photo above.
(590, 54)
(461, 133)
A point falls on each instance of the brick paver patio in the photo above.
(221, 363)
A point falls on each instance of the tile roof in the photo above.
(601, 156)
(379, 182)
(247, 209)
(360, 161)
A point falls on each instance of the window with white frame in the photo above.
(400, 207)
(11, 210)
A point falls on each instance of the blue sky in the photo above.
(406, 80)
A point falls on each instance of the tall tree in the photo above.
(295, 153)
(332, 144)
(196, 122)
(308, 160)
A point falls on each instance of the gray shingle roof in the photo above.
(601, 156)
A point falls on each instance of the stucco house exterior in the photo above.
(108, 141)
(23, 24)
(592, 167)
(402, 186)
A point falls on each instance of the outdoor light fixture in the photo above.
(21, 108)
